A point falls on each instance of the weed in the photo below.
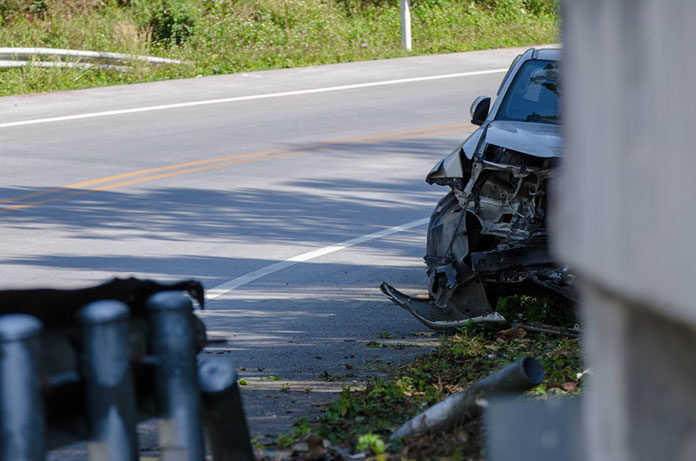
(387, 335)
(284, 440)
(256, 443)
(299, 430)
(373, 443)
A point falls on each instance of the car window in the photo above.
(533, 94)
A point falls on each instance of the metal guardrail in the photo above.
(13, 64)
(117, 370)
(54, 57)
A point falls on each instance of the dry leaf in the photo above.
(462, 437)
(570, 386)
(317, 446)
(513, 333)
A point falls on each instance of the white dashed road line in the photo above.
(304, 257)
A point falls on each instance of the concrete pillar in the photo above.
(624, 217)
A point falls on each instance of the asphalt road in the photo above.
(217, 178)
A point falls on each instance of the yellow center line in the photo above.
(240, 162)
(105, 187)
(211, 164)
(131, 174)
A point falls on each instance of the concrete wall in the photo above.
(627, 209)
(625, 218)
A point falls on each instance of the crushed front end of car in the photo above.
(487, 237)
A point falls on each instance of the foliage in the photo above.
(171, 21)
(460, 360)
(299, 430)
(531, 309)
(226, 36)
(9, 8)
(373, 443)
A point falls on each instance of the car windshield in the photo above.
(533, 95)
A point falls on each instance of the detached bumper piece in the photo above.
(435, 317)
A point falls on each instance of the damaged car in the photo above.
(487, 237)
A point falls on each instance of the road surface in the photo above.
(291, 194)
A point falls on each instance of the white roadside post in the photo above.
(405, 7)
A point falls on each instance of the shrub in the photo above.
(172, 21)
(9, 8)
(538, 7)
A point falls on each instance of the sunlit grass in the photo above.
(227, 36)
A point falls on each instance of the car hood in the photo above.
(537, 139)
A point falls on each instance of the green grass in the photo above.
(227, 36)
(531, 309)
(460, 361)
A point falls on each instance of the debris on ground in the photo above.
(463, 406)
(381, 404)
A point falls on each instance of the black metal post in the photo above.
(22, 428)
(108, 381)
(223, 412)
(178, 394)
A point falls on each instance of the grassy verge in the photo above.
(226, 36)
(364, 418)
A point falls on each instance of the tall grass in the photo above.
(225, 36)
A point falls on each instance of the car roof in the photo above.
(551, 54)
(545, 54)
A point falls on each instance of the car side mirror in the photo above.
(479, 109)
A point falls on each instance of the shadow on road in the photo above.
(321, 209)
(317, 326)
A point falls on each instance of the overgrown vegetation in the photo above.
(225, 36)
(364, 418)
(531, 309)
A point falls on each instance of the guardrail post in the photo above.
(178, 394)
(108, 381)
(223, 412)
(22, 428)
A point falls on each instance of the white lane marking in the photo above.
(304, 257)
(245, 98)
